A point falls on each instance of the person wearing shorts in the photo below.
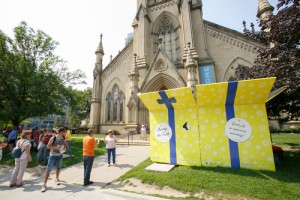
(57, 145)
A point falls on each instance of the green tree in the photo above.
(281, 59)
(79, 107)
(32, 78)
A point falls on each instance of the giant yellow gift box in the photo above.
(226, 125)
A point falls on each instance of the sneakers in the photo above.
(57, 182)
(44, 188)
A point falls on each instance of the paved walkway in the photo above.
(72, 177)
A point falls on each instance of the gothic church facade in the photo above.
(173, 46)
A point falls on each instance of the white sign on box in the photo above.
(163, 132)
(238, 130)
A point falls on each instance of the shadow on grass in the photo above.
(293, 145)
(288, 171)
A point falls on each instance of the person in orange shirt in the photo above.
(89, 145)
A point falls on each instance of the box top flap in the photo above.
(243, 92)
(179, 98)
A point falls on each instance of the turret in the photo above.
(264, 9)
(191, 68)
(97, 89)
(134, 77)
(99, 54)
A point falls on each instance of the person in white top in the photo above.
(21, 163)
(110, 141)
(143, 132)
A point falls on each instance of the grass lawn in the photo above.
(227, 183)
(76, 145)
(286, 140)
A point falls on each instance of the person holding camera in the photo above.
(89, 145)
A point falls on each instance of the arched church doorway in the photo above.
(158, 83)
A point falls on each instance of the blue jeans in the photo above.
(87, 164)
(46, 155)
(113, 153)
(69, 147)
(57, 160)
(39, 155)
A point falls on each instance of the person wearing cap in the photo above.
(89, 145)
(110, 141)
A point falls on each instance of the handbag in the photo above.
(17, 151)
(41, 145)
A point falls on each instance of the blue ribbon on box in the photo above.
(233, 146)
(168, 102)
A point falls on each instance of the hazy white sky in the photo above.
(77, 24)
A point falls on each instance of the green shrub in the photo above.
(286, 130)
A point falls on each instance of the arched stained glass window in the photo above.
(167, 32)
(168, 36)
(121, 107)
(115, 105)
(115, 108)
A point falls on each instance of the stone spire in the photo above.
(99, 55)
(134, 77)
(191, 68)
(97, 89)
(264, 9)
(100, 47)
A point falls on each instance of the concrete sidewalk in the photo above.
(72, 179)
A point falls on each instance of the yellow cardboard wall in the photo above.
(226, 126)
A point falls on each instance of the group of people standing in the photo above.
(49, 144)
(56, 143)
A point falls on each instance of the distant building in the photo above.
(46, 122)
(172, 46)
(129, 38)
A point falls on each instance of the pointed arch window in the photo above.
(168, 33)
(115, 102)
(115, 105)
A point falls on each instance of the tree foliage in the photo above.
(80, 105)
(32, 78)
(281, 59)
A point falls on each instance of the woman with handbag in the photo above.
(21, 163)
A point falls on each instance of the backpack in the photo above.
(46, 139)
(17, 151)
(54, 139)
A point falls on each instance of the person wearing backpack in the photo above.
(57, 145)
(21, 163)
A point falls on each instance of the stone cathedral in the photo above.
(172, 46)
